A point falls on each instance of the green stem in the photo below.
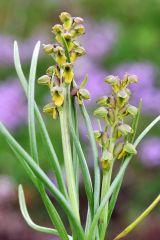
(68, 156)
(74, 152)
(106, 180)
(104, 215)
(130, 228)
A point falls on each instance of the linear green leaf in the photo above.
(26, 216)
(131, 227)
(68, 161)
(45, 136)
(118, 179)
(54, 216)
(84, 167)
(95, 157)
(46, 181)
(31, 92)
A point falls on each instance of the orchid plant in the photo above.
(114, 138)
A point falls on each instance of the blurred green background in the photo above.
(131, 40)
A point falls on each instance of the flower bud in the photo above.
(129, 148)
(125, 129)
(44, 80)
(105, 140)
(78, 52)
(133, 79)
(111, 79)
(57, 96)
(106, 159)
(57, 29)
(122, 97)
(83, 94)
(111, 116)
(122, 112)
(51, 108)
(48, 48)
(132, 110)
(102, 101)
(78, 20)
(60, 56)
(100, 112)
(125, 81)
(68, 73)
(77, 31)
(66, 19)
(50, 71)
(118, 150)
(105, 164)
(68, 39)
(98, 136)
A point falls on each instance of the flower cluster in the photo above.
(114, 140)
(64, 52)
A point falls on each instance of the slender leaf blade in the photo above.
(46, 181)
(26, 216)
(45, 136)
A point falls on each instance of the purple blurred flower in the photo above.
(145, 88)
(149, 152)
(13, 109)
(25, 47)
(99, 38)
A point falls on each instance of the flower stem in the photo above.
(68, 156)
(139, 219)
(106, 180)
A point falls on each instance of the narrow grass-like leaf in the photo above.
(26, 216)
(74, 152)
(55, 218)
(45, 136)
(131, 227)
(95, 157)
(68, 161)
(113, 200)
(31, 92)
(118, 179)
(84, 167)
(46, 181)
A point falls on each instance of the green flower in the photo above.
(68, 73)
(77, 31)
(129, 148)
(57, 96)
(44, 80)
(106, 160)
(83, 94)
(66, 19)
(132, 110)
(101, 112)
(48, 48)
(51, 108)
(124, 129)
(60, 55)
